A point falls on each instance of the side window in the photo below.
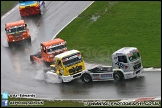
(59, 62)
(44, 49)
(54, 61)
(122, 59)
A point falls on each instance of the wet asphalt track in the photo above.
(18, 75)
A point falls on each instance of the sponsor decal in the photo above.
(115, 58)
(72, 57)
(106, 75)
(121, 65)
(96, 76)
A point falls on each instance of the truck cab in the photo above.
(68, 66)
(28, 8)
(126, 63)
(49, 49)
(17, 32)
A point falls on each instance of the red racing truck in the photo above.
(49, 50)
(17, 32)
(28, 8)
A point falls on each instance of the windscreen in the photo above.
(72, 59)
(134, 56)
(56, 47)
(16, 29)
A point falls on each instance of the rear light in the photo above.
(37, 7)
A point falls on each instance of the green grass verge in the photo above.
(6, 6)
(104, 28)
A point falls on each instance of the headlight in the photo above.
(13, 40)
(51, 56)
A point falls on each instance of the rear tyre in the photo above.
(29, 40)
(118, 76)
(86, 78)
(10, 44)
(39, 55)
(31, 59)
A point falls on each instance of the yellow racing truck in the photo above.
(67, 66)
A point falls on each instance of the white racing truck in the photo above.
(126, 64)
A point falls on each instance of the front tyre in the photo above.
(118, 76)
(86, 78)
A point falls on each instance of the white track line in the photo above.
(13, 9)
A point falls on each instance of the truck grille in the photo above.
(75, 70)
(18, 34)
(77, 75)
(137, 66)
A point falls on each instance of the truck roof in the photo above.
(67, 53)
(22, 4)
(52, 42)
(16, 23)
(125, 50)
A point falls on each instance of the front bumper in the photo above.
(71, 77)
(132, 74)
(20, 41)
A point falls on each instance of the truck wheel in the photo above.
(39, 55)
(10, 44)
(118, 76)
(31, 59)
(86, 78)
(29, 40)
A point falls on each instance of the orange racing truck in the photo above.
(49, 50)
(17, 32)
(27, 8)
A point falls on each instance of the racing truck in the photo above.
(67, 66)
(28, 8)
(49, 49)
(126, 64)
(17, 32)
